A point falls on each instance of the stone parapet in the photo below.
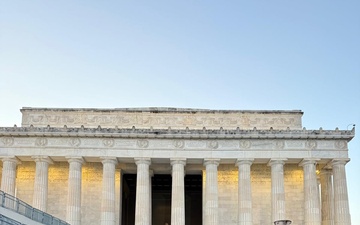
(162, 118)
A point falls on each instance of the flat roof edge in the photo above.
(159, 110)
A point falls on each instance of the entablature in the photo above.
(176, 133)
(162, 144)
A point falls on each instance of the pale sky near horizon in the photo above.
(195, 54)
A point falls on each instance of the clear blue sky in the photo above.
(203, 54)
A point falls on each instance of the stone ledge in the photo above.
(177, 133)
(160, 110)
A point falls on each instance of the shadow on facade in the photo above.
(161, 199)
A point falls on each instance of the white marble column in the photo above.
(244, 192)
(211, 216)
(178, 192)
(311, 193)
(41, 182)
(8, 178)
(108, 191)
(142, 204)
(73, 207)
(327, 199)
(278, 209)
(341, 201)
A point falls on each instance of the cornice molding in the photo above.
(173, 133)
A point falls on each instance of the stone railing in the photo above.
(8, 221)
(14, 204)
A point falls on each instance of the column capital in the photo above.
(42, 158)
(146, 161)
(178, 161)
(275, 161)
(77, 159)
(112, 160)
(211, 161)
(244, 161)
(307, 161)
(339, 161)
(10, 159)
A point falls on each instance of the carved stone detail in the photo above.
(163, 118)
(341, 144)
(179, 144)
(8, 141)
(245, 144)
(75, 142)
(279, 144)
(41, 141)
(311, 144)
(142, 143)
(213, 144)
(108, 142)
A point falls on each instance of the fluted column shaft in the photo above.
(327, 199)
(142, 204)
(278, 209)
(108, 191)
(341, 200)
(178, 192)
(211, 192)
(73, 208)
(41, 182)
(311, 193)
(244, 192)
(8, 178)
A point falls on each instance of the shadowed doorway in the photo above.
(161, 199)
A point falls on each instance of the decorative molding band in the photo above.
(176, 144)
(7, 132)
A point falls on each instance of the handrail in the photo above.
(12, 203)
(4, 220)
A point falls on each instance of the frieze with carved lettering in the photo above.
(163, 118)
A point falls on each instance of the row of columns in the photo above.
(335, 206)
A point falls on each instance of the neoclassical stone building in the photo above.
(176, 166)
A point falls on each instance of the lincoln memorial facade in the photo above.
(176, 166)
